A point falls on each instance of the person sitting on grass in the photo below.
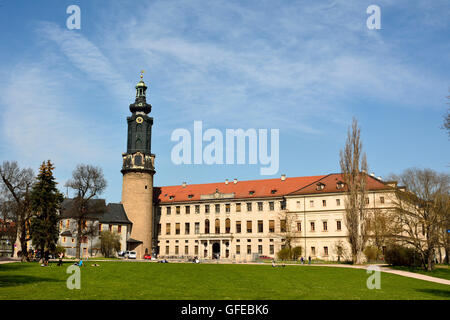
(273, 263)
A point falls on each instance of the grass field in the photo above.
(174, 281)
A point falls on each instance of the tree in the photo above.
(380, 228)
(339, 248)
(109, 243)
(16, 184)
(354, 167)
(421, 211)
(45, 203)
(88, 183)
(8, 228)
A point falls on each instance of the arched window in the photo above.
(206, 226)
(227, 225)
(217, 225)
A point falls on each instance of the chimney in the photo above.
(283, 177)
(235, 181)
(184, 184)
(226, 181)
(379, 178)
(372, 174)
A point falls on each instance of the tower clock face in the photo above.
(139, 120)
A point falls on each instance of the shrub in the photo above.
(371, 253)
(397, 255)
(284, 254)
(296, 252)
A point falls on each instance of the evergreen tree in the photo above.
(45, 202)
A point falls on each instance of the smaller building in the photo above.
(113, 218)
(7, 238)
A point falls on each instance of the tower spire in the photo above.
(140, 105)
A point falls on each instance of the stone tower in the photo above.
(138, 170)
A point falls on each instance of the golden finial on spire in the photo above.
(142, 73)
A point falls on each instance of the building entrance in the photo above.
(216, 250)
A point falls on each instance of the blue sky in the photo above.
(304, 67)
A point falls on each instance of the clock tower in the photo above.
(138, 170)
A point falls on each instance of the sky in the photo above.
(305, 68)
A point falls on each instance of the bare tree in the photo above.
(422, 210)
(16, 185)
(381, 228)
(88, 183)
(354, 167)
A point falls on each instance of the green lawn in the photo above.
(145, 280)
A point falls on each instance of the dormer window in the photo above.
(320, 186)
(190, 196)
(171, 197)
(251, 192)
(273, 191)
(339, 185)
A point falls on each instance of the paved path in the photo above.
(387, 270)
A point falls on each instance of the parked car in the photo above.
(121, 253)
(131, 254)
(148, 257)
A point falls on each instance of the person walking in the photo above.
(309, 260)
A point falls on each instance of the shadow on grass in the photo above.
(436, 292)
(17, 280)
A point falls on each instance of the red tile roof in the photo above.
(330, 182)
(262, 188)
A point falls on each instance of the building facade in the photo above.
(235, 220)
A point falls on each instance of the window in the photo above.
(282, 225)
(206, 226)
(196, 250)
(338, 202)
(176, 249)
(177, 228)
(167, 249)
(325, 251)
(271, 206)
(271, 249)
(188, 209)
(260, 249)
(67, 223)
(110, 227)
(338, 225)
(251, 192)
(238, 227)
(249, 206)
(324, 203)
(249, 226)
(381, 199)
(227, 226)
(168, 210)
(271, 226)
(119, 229)
(298, 205)
(238, 249)
(311, 203)
(249, 249)
(273, 191)
(186, 249)
(367, 201)
(217, 208)
(227, 207)
(325, 226)
(99, 227)
(217, 226)
(197, 228)
(283, 205)
(60, 224)
(197, 208)
(313, 227)
(177, 209)
(64, 239)
(206, 208)
(159, 229)
(260, 206)
(260, 226)
(313, 251)
(299, 226)
(238, 207)
(187, 228)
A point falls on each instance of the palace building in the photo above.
(233, 219)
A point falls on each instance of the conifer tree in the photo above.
(45, 203)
